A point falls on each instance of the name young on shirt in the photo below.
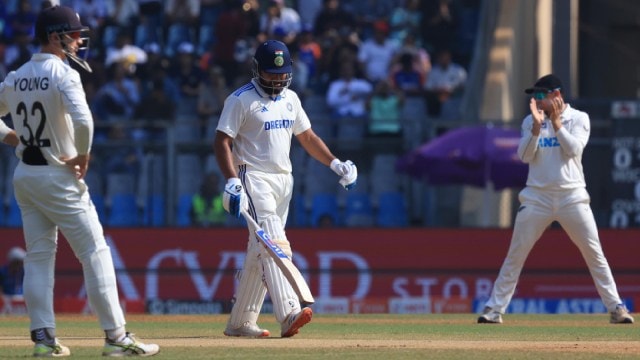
(31, 84)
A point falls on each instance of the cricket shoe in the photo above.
(490, 316)
(246, 330)
(294, 322)
(621, 315)
(129, 346)
(50, 350)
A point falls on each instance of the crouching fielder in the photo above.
(252, 146)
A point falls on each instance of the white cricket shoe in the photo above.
(246, 330)
(294, 322)
(621, 315)
(129, 346)
(490, 316)
(50, 350)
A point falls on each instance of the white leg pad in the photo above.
(285, 301)
(251, 289)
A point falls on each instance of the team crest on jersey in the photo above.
(289, 107)
(279, 59)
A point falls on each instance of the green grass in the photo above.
(371, 337)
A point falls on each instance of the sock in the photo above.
(116, 335)
(44, 335)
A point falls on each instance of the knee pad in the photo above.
(274, 228)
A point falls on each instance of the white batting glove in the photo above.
(347, 171)
(234, 198)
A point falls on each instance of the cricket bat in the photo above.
(285, 264)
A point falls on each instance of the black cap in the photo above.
(273, 57)
(59, 19)
(546, 83)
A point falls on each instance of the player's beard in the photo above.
(274, 88)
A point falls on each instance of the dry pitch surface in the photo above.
(356, 336)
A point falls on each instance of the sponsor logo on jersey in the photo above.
(31, 84)
(278, 124)
(548, 142)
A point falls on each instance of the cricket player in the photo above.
(252, 145)
(553, 139)
(54, 125)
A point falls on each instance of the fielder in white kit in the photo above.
(252, 145)
(553, 139)
(55, 127)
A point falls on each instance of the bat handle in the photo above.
(252, 223)
(249, 219)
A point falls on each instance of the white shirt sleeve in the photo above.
(231, 117)
(574, 139)
(75, 102)
(528, 143)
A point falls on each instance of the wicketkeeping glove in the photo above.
(347, 171)
(234, 198)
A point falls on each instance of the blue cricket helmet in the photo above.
(65, 22)
(272, 57)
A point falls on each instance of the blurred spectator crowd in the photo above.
(369, 70)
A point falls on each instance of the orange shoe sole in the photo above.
(303, 318)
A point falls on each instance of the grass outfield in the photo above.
(441, 336)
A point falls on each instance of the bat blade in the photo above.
(289, 270)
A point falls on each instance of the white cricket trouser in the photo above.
(269, 197)
(50, 197)
(537, 211)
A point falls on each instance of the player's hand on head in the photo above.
(234, 198)
(347, 171)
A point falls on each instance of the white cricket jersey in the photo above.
(555, 159)
(262, 127)
(48, 107)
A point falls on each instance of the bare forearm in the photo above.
(315, 147)
(224, 157)
(11, 139)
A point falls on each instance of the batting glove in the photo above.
(347, 171)
(234, 198)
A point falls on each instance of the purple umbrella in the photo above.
(474, 155)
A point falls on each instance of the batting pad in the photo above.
(285, 301)
(251, 289)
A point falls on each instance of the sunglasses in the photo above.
(541, 95)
